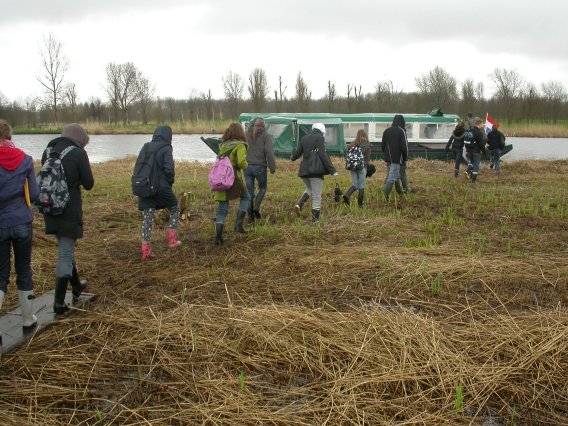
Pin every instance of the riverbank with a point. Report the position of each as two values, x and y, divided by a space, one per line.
522 129
445 306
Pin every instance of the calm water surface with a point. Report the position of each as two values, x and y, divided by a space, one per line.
190 147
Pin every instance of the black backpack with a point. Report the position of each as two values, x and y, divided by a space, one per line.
354 160
145 178
53 190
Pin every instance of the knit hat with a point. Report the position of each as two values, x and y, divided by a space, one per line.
76 133
320 127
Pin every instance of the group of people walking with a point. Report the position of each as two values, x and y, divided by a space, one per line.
252 157
470 134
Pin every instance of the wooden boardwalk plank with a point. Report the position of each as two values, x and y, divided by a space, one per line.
13 334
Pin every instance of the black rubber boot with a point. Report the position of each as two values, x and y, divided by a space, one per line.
347 195
315 215
250 212
388 189
77 284
240 219
398 187
360 198
219 234
59 305
298 207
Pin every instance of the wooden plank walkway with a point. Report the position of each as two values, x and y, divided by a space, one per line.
13 334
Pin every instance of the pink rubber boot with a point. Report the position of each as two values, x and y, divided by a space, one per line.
146 250
172 239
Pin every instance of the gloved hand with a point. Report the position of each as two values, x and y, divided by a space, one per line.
335 174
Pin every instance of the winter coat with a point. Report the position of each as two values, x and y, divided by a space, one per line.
394 144
78 173
238 155
456 140
496 139
164 162
478 145
15 168
307 144
260 152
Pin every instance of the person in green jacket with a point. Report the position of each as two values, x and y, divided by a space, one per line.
233 143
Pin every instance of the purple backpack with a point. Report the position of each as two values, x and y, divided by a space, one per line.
222 174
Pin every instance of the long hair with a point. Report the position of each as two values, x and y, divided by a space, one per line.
361 134
234 132
5 130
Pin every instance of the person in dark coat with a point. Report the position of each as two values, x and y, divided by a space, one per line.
455 143
161 144
68 226
314 183
16 174
474 149
395 151
495 143
259 155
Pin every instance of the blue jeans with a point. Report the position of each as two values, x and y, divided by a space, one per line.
65 257
20 238
393 172
223 207
474 159
260 174
358 178
458 157
495 155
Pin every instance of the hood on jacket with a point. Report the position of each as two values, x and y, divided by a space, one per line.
320 127
76 133
398 120
11 158
162 134
227 146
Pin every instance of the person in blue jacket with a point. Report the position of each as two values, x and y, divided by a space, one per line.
18 188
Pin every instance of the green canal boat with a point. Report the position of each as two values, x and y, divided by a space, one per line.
427 134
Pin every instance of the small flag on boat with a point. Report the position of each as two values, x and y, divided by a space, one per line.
489 122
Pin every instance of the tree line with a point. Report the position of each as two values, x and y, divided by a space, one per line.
130 97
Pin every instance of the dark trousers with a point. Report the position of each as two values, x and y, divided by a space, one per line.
19 238
258 173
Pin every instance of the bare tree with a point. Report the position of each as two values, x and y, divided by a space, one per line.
438 86
258 89
508 86
122 87
350 100
386 96
279 97
145 95
468 95
3 103
54 65
209 104
233 86
330 96
530 100
554 95
71 98
303 94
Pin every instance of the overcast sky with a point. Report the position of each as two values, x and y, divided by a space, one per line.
185 46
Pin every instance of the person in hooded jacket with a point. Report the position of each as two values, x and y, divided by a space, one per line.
475 149
161 145
16 173
233 143
495 143
455 143
68 226
259 155
395 151
358 177
312 144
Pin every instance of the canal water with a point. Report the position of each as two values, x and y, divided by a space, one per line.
191 148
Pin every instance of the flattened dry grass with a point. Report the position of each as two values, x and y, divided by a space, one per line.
372 316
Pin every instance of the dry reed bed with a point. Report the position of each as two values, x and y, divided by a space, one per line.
375 316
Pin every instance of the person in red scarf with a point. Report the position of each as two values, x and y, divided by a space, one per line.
16 173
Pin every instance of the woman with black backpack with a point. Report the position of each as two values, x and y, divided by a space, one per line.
357 161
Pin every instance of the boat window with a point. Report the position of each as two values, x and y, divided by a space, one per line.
436 130
331 136
350 130
379 129
276 130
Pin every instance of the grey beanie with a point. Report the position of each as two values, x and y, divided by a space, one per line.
76 133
